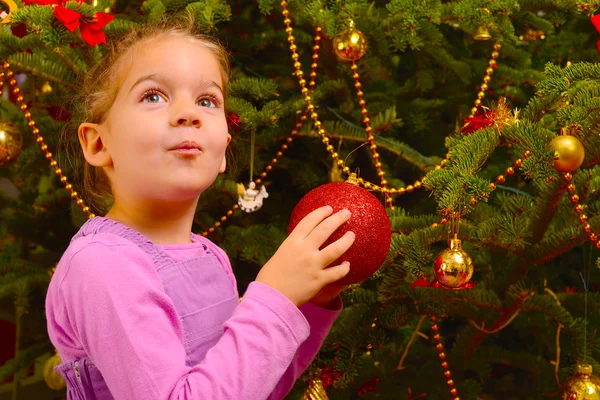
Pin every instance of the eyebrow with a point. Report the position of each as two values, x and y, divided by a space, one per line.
161 78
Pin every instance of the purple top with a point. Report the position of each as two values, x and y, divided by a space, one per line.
134 320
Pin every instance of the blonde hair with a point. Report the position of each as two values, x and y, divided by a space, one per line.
100 88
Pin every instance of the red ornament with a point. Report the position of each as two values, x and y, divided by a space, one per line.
91 29
596 22
478 121
234 123
369 221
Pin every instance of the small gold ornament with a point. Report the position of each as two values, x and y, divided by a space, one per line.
453 267
350 45
582 386
482 33
11 142
315 391
46 88
53 379
12 7
568 153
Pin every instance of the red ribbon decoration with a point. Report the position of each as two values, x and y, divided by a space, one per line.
596 21
91 31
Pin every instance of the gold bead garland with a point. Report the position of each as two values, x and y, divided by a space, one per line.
486 79
442 355
39 138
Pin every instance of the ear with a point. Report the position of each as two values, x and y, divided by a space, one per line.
94 149
224 162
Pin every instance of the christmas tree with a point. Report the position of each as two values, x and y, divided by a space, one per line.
474 121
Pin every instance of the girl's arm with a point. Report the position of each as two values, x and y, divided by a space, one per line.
109 297
320 320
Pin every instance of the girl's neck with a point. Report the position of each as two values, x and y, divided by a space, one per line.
170 224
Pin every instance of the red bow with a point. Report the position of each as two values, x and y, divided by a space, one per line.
91 31
596 21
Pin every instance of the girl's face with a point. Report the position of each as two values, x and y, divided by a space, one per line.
166 133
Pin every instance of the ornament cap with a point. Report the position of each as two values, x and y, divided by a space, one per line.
455 243
353 179
584 369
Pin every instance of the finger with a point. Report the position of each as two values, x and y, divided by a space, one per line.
322 231
334 274
335 250
310 221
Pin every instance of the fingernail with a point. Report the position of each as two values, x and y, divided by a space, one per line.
346 213
329 209
346 263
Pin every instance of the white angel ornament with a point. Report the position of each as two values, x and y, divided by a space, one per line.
250 199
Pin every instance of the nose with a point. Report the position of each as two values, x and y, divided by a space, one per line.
186 114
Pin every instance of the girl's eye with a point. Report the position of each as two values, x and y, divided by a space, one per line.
208 102
152 96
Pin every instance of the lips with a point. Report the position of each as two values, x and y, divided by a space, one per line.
187 147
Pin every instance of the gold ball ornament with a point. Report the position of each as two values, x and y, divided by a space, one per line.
12 7
11 142
315 391
568 153
53 379
453 267
582 386
350 45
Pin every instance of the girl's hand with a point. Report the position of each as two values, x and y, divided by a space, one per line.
326 295
297 270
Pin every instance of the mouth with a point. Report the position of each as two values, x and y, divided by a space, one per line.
187 147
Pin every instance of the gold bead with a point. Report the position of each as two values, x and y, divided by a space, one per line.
472 201
384 182
86 210
380 174
377 165
74 195
491 63
263 174
518 163
366 121
63 179
497 46
58 171
258 181
48 156
69 187
27 115
489 71
592 237
229 213
346 170
329 148
53 163
44 147
574 199
480 95
401 190
325 140
444 162
474 110
284 146
487 79
587 228
527 154
437 167
211 229
285 13
217 224
417 184
223 218
410 188
79 202
360 93
334 155
279 154
477 102
484 87
269 168
500 179
510 171
568 177
495 54
492 186
340 163
571 187
583 218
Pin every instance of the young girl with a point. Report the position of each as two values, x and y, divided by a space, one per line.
141 308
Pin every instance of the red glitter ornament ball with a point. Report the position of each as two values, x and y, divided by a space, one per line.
369 221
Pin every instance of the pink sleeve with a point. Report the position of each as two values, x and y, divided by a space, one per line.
114 303
319 319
